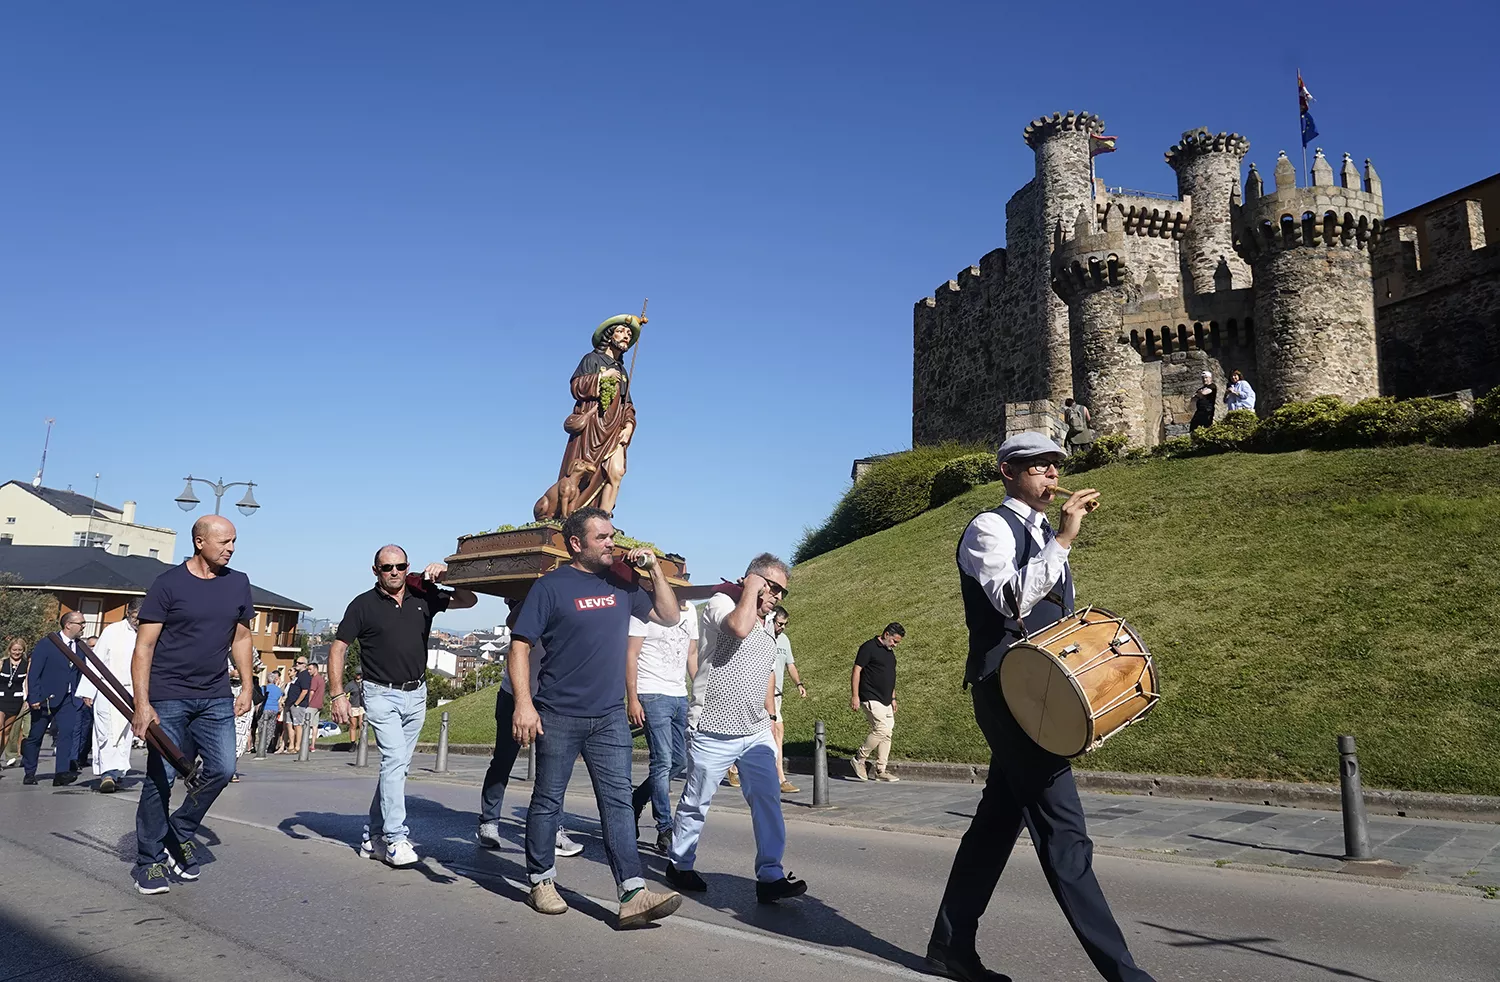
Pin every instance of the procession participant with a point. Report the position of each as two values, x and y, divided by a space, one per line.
111 730
872 690
497 775
581 613
12 696
656 693
784 663
733 720
392 622
195 618
1012 567
51 685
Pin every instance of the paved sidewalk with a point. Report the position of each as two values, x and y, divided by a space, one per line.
1454 854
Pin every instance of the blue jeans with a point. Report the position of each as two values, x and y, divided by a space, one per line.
199 727
396 717
709 759
605 744
666 736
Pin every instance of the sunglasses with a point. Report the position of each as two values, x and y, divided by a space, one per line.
776 588
387 567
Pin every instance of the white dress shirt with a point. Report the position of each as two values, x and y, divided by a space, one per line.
116 649
987 552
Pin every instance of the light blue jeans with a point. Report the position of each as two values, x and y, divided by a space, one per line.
396 717
709 757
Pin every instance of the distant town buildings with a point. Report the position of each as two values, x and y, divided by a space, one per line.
38 516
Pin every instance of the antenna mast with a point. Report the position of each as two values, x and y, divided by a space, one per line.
36 482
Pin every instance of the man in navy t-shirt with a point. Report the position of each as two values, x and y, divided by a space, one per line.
194 619
580 615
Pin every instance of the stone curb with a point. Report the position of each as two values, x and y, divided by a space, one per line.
1272 794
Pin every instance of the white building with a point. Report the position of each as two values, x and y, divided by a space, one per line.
48 517
445 663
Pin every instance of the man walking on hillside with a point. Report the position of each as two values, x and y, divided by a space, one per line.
732 720
194 620
656 695
872 690
1012 567
51 687
784 663
581 614
392 623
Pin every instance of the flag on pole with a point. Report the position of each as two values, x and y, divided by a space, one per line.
1304 99
1101 144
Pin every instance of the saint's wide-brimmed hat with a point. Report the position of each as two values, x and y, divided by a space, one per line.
632 320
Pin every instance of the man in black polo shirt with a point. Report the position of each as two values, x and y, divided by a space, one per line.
872 690
391 623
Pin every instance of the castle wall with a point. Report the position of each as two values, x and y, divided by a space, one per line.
1437 310
957 355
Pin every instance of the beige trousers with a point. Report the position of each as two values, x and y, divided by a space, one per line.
882 720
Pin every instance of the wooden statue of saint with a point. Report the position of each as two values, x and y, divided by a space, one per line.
600 426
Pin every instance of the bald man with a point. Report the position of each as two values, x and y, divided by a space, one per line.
195 618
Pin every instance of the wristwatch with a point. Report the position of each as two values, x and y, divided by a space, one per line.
773 718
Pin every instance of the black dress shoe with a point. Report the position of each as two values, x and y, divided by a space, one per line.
686 880
964 966
782 889
29 779
63 779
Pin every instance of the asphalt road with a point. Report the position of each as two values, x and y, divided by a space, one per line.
286 897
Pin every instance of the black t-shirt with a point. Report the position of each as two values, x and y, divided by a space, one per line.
392 639
1203 403
877 676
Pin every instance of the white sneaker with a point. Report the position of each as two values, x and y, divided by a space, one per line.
400 853
489 835
372 847
566 846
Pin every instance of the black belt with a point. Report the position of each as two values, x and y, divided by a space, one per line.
403 686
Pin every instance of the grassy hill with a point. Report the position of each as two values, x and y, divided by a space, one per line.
1287 597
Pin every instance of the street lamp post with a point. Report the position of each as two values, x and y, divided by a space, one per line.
247 505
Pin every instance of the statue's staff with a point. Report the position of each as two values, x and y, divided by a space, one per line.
600 478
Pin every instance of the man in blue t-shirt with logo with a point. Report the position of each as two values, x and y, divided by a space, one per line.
194 619
580 615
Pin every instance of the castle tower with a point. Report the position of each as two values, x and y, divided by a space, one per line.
1208 172
1062 186
1309 250
1090 274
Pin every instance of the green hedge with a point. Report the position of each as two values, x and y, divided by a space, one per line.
1104 450
961 474
1233 432
891 491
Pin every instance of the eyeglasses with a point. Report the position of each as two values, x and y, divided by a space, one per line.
387 567
1035 467
776 588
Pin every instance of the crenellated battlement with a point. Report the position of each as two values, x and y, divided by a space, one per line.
1155 222
1200 142
1326 215
1043 128
988 274
1093 257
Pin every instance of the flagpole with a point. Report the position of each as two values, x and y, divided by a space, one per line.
1306 178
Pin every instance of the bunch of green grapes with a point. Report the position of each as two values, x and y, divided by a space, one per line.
608 386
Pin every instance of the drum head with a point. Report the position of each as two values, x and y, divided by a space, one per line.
1046 700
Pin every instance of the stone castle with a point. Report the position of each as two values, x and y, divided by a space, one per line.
1121 299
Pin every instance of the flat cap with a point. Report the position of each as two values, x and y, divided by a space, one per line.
1028 444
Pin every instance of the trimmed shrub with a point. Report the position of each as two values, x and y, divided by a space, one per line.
1483 427
1174 446
962 474
1233 432
892 491
1386 422
1104 450
1300 425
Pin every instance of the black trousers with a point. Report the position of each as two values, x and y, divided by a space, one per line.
1028 784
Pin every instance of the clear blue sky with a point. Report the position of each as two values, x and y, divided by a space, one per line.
352 251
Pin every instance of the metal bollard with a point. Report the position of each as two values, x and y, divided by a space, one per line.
442 751
1356 831
304 752
531 761
820 765
362 745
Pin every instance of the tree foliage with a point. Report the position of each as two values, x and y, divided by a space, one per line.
25 614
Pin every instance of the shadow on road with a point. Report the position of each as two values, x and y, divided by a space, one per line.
1262 847
1194 939
28 954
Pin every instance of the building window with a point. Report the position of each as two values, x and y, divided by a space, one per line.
96 540
155 553
92 609
123 550
10 521
6 540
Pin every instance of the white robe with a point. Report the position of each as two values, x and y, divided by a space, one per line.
112 736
